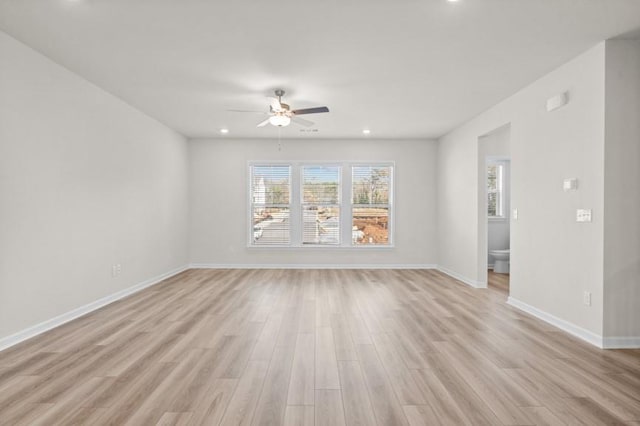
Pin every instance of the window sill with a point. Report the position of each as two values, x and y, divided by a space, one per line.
321 248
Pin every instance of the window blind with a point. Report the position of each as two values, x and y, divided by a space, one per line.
271 205
321 205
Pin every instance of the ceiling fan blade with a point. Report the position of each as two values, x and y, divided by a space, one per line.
263 123
302 121
275 105
244 110
315 110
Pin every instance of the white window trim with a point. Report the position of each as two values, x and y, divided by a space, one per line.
346 203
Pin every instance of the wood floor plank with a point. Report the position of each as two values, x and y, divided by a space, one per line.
307 317
345 348
410 352
24 414
174 419
386 407
210 408
169 397
473 407
542 416
245 398
302 384
355 396
400 376
240 348
273 398
328 408
306 347
299 415
263 348
67 411
442 403
123 402
420 415
626 406
12 392
326 364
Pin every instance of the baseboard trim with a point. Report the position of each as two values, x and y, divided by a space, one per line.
310 266
564 325
622 342
40 328
468 281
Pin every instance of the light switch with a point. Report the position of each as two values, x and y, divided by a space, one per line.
583 215
515 214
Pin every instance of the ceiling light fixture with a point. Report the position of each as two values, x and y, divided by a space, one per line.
224 131
280 120
366 131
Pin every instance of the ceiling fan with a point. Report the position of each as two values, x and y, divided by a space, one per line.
281 115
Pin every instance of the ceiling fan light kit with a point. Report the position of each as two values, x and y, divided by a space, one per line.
280 120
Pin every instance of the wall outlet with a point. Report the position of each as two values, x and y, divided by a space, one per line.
586 298
116 270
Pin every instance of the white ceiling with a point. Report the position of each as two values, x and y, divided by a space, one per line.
403 68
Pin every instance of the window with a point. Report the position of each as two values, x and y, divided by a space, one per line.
371 204
270 205
303 205
495 190
321 205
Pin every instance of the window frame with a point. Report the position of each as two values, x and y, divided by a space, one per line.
251 205
345 205
303 204
389 205
501 172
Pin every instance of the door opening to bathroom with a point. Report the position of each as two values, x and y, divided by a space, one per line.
498 229
494 193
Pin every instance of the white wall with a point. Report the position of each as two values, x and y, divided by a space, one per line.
218 200
86 181
622 196
553 258
497 143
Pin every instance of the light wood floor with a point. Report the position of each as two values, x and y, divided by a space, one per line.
324 347
498 282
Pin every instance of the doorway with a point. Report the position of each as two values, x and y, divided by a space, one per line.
494 208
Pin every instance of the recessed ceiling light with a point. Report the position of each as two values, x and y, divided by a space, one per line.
452 1
224 131
366 131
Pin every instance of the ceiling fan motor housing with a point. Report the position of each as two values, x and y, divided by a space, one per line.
285 107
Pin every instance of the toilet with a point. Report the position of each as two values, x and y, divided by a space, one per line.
501 261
